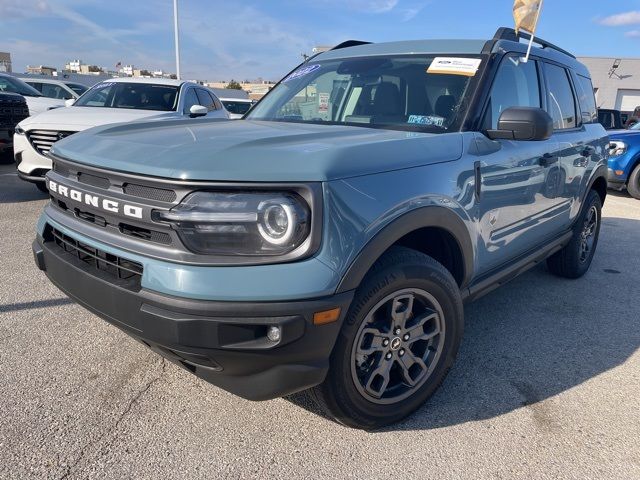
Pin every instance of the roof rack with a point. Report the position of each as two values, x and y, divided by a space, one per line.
349 43
505 33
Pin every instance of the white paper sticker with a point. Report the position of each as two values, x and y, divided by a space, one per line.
323 102
455 66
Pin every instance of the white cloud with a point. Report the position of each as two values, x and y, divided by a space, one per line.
633 34
365 6
621 19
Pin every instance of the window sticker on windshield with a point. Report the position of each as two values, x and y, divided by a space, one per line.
455 66
103 84
323 102
301 72
426 120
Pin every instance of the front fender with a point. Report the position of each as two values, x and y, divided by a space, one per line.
429 216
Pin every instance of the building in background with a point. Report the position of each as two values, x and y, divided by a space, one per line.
41 70
616 82
5 62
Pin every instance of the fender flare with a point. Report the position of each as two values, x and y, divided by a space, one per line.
431 216
600 172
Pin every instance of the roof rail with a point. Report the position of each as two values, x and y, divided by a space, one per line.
505 33
345 44
349 43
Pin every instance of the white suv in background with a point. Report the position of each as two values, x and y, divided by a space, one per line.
237 107
35 100
60 89
112 101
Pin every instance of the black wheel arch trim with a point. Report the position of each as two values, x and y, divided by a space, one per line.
431 216
600 172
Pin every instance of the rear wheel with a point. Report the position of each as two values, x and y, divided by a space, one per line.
574 260
633 187
398 342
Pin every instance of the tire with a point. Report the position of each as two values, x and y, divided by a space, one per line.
633 185
428 307
42 186
574 260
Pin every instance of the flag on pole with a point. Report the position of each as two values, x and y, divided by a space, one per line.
526 14
118 65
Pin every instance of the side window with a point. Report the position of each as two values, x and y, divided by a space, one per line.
190 100
561 103
37 86
205 99
515 85
55 91
587 100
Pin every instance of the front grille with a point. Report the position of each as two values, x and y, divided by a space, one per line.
13 110
42 140
126 272
152 193
88 179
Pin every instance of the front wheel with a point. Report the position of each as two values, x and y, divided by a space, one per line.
574 260
633 186
399 340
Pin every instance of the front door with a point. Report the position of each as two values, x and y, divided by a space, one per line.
518 206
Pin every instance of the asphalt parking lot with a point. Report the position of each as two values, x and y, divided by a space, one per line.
546 386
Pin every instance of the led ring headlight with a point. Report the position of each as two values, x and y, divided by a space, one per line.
240 223
277 222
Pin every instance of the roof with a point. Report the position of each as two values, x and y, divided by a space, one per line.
470 47
154 81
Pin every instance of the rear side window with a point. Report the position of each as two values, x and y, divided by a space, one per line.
561 104
515 85
587 100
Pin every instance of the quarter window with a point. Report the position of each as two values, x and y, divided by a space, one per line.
561 103
516 85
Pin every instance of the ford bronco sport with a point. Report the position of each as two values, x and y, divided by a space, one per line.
328 240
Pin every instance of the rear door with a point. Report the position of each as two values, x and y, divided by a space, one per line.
571 104
519 182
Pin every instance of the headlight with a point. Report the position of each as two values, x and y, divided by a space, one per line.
243 223
19 130
617 148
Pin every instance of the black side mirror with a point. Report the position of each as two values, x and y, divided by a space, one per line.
523 123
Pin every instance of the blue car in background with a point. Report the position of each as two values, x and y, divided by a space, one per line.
624 160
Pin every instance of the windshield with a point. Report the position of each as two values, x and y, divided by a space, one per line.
399 92
76 87
15 85
138 96
237 107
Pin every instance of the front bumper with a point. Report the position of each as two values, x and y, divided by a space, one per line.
615 182
31 165
224 343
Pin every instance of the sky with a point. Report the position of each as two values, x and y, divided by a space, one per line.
244 39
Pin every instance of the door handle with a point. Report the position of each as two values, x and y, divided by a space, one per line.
477 174
548 159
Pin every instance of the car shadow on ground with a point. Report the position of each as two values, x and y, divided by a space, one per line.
537 337
14 190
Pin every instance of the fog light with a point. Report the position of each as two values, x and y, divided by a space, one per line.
273 334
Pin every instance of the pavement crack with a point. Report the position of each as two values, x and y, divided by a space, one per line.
116 424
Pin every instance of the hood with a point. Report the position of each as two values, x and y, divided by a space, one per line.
81 118
616 134
247 150
38 105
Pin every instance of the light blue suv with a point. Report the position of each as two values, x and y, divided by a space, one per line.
328 240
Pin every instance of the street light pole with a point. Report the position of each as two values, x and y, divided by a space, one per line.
177 40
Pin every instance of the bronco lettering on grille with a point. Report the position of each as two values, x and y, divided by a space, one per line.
96 201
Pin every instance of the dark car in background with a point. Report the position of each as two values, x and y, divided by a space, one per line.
13 109
610 119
